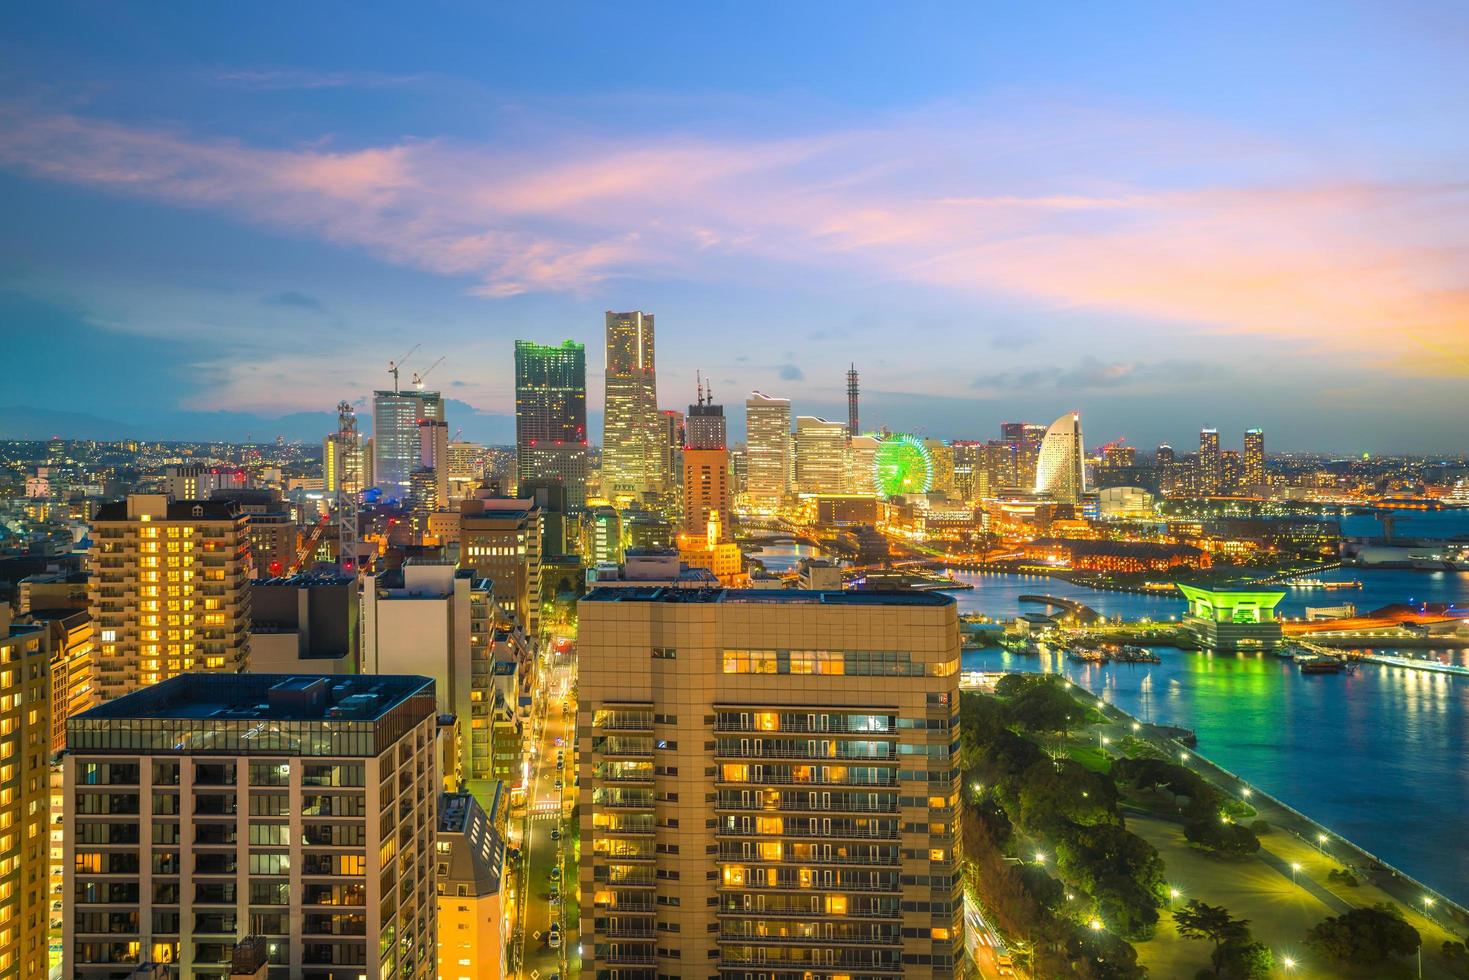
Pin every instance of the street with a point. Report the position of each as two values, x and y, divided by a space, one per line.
547 810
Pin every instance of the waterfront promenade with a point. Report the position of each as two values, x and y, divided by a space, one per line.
1302 852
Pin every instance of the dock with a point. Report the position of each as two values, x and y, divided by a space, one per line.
1432 666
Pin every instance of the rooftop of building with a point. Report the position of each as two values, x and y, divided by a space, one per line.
177 510
303 580
476 852
661 593
266 697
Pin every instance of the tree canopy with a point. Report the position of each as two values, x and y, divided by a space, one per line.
1363 936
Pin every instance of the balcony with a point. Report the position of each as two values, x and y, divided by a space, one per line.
752 940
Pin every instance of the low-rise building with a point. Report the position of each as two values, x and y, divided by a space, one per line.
469 858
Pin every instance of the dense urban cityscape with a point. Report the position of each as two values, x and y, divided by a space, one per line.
645 493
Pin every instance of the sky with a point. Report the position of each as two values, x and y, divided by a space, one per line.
220 220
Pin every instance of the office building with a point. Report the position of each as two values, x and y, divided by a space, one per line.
275 540
196 482
672 441
1253 464
500 539
767 450
821 450
1210 466
26 717
439 621
467 461
470 852
170 590
346 464
1061 466
706 490
775 789
1165 462
1025 439
861 468
433 455
632 430
601 535
551 418
305 624
397 443
302 809
941 465
971 469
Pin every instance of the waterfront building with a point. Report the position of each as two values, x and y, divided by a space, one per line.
971 469
1253 464
861 468
632 450
26 736
169 591
821 450
941 465
767 450
396 441
1231 472
1061 466
470 853
1025 440
827 840
1209 469
551 418
1223 619
500 539
1165 461
302 809
1121 503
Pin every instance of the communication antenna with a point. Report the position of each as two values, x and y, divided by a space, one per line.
348 497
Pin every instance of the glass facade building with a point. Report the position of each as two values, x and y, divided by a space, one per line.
551 417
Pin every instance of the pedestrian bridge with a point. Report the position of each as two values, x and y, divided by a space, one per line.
1083 612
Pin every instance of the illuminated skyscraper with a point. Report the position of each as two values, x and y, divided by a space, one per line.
26 739
705 468
1026 438
396 441
767 449
551 417
1165 461
1210 471
821 455
433 450
1254 463
632 457
1060 471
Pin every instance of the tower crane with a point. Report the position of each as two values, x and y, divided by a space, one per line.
393 366
418 379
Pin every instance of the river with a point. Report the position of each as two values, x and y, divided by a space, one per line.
1379 756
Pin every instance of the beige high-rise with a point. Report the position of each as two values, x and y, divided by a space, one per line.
821 455
170 590
768 449
25 745
769 784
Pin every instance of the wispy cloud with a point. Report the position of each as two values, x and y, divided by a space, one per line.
1330 259
1092 374
292 79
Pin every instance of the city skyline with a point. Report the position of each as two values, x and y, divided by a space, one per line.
252 228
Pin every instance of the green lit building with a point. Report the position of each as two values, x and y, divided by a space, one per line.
1224 619
551 417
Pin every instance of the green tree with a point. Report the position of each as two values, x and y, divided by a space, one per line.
1064 791
1246 961
1013 684
1046 708
1215 835
1196 920
1363 937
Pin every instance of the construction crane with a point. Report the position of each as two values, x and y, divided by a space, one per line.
418 379
393 366
457 433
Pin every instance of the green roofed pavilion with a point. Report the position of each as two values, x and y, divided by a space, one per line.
1225 619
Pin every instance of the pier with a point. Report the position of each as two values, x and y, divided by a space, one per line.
1081 611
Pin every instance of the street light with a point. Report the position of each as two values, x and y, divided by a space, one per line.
1294 867
1040 857
1096 925
1288 964
1321 842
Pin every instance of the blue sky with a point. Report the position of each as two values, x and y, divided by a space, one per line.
222 220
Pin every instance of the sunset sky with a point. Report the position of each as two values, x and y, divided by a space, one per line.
1164 215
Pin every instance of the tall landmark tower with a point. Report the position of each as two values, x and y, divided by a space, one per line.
854 427
632 452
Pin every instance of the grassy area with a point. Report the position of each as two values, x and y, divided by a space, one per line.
1090 756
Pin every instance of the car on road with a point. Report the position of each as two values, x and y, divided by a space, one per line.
554 895
556 873
560 764
555 938
559 740
558 784
555 834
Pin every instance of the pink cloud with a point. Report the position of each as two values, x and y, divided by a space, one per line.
1337 262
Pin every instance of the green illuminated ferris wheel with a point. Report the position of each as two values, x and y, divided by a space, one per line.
902 465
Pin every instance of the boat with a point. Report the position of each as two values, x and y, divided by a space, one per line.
1306 583
1351 584
1320 665
1087 655
1130 654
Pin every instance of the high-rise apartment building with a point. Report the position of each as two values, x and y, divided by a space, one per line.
500 538
862 465
551 417
767 450
774 791
1165 461
169 590
397 444
1061 466
632 450
302 809
971 469
1253 464
26 714
821 449
672 441
1210 465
